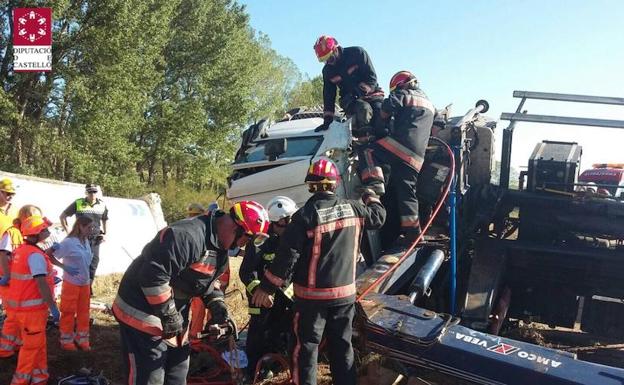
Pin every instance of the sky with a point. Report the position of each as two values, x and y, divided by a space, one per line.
463 51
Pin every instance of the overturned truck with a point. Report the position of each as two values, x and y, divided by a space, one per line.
549 252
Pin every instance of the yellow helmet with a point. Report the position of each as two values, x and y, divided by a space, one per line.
6 185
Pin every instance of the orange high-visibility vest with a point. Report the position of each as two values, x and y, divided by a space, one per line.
23 293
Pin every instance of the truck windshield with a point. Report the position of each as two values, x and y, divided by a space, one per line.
303 146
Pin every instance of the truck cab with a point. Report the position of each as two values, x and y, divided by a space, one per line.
274 158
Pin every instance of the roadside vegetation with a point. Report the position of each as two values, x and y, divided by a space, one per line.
143 96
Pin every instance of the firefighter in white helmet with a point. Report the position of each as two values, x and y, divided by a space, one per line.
267 326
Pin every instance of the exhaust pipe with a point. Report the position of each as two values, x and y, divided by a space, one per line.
420 285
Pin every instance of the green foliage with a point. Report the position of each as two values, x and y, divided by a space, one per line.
143 94
176 197
307 93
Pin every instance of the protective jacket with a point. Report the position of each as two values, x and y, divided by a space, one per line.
413 117
354 74
23 293
257 260
320 248
182 261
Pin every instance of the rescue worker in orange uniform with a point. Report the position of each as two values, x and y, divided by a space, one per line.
181 262
75 251
7 191
320 248
10 340
30 297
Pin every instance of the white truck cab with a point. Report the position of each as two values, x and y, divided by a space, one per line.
273 160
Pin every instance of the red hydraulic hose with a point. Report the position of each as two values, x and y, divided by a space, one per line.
449 182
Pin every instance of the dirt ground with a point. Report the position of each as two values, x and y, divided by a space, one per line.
105 356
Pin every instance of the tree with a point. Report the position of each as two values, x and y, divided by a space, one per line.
307 93
140 93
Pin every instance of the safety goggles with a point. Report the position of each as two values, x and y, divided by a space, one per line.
258 238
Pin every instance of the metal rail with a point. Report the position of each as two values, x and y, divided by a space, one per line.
522 116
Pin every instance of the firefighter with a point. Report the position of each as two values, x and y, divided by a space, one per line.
29 297
350 70
320 246
396 158
181 262
267 326
198 309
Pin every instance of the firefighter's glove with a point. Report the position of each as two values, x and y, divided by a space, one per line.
173 325
218 311
322 127
4 281
373 192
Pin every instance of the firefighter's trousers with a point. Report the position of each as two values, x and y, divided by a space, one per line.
74 324
32 360
268 328
148 360
309 323
379 165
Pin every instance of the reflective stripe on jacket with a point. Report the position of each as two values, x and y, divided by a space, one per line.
181 262
23 293
321 246
413 117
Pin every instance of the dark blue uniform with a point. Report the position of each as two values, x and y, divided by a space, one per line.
360 95
268 328
319 249
397 158
181 262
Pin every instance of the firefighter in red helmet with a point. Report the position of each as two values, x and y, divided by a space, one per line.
320 247
397 155
183 261
350 70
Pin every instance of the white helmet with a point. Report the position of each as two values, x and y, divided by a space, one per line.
281 207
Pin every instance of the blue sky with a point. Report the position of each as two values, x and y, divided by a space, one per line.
463 51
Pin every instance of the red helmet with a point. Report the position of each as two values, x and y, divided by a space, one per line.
252 218
400 79
324 47
322 171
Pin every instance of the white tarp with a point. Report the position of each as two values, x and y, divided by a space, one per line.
132 222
